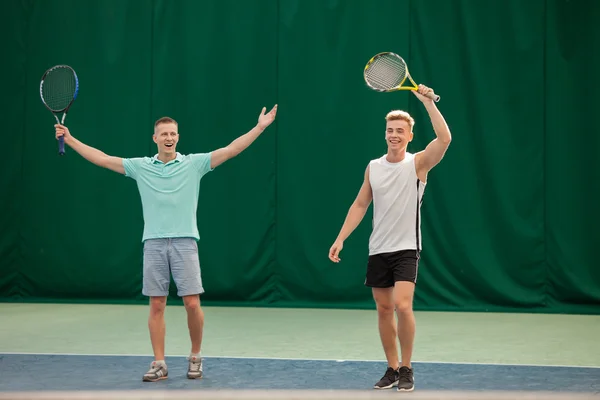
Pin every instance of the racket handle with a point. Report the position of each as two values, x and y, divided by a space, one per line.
433 97
61 146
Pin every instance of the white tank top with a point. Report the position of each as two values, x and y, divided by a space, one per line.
397 197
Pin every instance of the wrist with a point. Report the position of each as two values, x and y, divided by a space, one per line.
71 141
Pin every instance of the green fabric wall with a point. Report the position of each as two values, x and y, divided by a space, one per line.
510 216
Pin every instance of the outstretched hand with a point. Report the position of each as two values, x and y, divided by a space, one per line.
264 120
422 93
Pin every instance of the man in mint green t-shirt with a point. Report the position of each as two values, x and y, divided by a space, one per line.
169 185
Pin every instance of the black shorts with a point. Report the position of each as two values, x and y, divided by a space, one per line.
384 269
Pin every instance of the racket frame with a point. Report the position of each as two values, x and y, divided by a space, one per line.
414 86
65 110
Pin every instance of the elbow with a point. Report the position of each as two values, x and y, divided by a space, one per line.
360 206
102 162
232 151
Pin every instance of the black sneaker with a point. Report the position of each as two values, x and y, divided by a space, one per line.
389 380
406 381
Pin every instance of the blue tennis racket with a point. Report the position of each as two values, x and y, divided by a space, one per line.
58 90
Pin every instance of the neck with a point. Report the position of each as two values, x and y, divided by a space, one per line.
166 157
395 155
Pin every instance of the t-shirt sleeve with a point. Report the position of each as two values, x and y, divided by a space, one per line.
201 162
132 167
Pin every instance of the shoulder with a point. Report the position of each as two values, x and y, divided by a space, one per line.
412 158
195 156
372 163
377 160
202 161
134 166
417 157
137 161
375 165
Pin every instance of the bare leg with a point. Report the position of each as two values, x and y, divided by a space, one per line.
403 300
156 325
387 324
195 319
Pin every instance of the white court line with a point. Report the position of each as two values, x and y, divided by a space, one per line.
299 359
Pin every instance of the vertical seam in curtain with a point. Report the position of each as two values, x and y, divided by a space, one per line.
544 153
276 194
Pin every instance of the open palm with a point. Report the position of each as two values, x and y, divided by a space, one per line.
265 120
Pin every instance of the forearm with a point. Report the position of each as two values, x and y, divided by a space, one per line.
353 219
439 123
241 143
91 154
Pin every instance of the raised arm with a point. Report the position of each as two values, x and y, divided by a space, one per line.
91 154
436 149
240 144
355 215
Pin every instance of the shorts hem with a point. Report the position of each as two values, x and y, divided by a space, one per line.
155 294
406 280
190 293
390 286
372 285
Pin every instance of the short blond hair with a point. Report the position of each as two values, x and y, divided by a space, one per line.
399 115
165 120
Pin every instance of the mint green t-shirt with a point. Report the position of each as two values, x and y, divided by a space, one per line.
169 193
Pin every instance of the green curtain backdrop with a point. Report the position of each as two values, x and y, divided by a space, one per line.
509 217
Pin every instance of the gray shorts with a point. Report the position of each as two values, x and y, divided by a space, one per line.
176 256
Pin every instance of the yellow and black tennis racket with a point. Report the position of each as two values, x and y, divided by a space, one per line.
387 72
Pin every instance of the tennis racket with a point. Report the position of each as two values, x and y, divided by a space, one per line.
387 72
58 90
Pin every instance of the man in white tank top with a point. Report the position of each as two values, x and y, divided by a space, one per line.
395 183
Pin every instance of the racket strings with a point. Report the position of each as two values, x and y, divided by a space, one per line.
59 88
386 72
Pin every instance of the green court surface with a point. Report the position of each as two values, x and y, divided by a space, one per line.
489 338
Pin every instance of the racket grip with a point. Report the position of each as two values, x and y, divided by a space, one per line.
61 146
433 97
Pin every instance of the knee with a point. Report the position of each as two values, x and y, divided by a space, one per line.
157 305
191 303
404 306
385 310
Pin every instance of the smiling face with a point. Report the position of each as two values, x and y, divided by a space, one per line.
398 130
398 134
166 137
